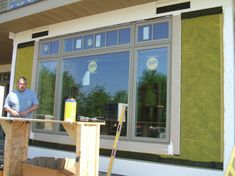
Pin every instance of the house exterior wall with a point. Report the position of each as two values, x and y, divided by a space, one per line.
207 79
202 89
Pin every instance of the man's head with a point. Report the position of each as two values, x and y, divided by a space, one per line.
22 84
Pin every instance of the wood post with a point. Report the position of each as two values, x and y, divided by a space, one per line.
87 141
16 146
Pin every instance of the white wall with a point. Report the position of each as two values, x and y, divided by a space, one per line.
144 168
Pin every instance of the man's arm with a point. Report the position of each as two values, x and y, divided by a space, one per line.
11 111
8 108
29 110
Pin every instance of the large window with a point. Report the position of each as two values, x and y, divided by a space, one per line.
151 98
99 83
108 68
46 93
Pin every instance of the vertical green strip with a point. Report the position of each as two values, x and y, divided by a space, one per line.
24 62
201 89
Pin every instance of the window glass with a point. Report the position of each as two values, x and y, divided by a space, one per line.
89 41
14 4
124 36
78 43
44 49
151 93
99 84
54 47
111 38
100 40
145 33
68 45
161 30
46 93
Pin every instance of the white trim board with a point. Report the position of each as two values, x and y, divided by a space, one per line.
131 167
1 99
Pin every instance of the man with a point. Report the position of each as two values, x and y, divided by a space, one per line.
21 102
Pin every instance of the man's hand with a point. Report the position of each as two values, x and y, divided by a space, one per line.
23 113
27 111
13 113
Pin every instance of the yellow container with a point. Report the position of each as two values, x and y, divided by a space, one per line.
70 110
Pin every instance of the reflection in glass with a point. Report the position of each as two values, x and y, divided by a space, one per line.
49 48
99 84
77 43
100 40
124 36
54 49
111 38
88 41
144 33
151 93
68 45
44 49
161 30
14 4
46 93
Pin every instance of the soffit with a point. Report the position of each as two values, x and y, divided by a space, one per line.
68 12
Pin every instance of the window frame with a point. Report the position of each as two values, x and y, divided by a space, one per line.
61 82
148 139
151 22
56 60
173 42
49 55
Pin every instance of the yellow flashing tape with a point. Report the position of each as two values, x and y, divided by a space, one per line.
70 110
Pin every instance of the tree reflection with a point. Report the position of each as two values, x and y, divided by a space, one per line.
152 87
46 90
90 104
151 104
46 93
94 102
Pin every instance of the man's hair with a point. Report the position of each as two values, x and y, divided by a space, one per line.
22 77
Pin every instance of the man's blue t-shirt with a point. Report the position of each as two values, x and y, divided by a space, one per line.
20 101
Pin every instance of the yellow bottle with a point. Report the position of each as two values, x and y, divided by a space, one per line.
70 110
